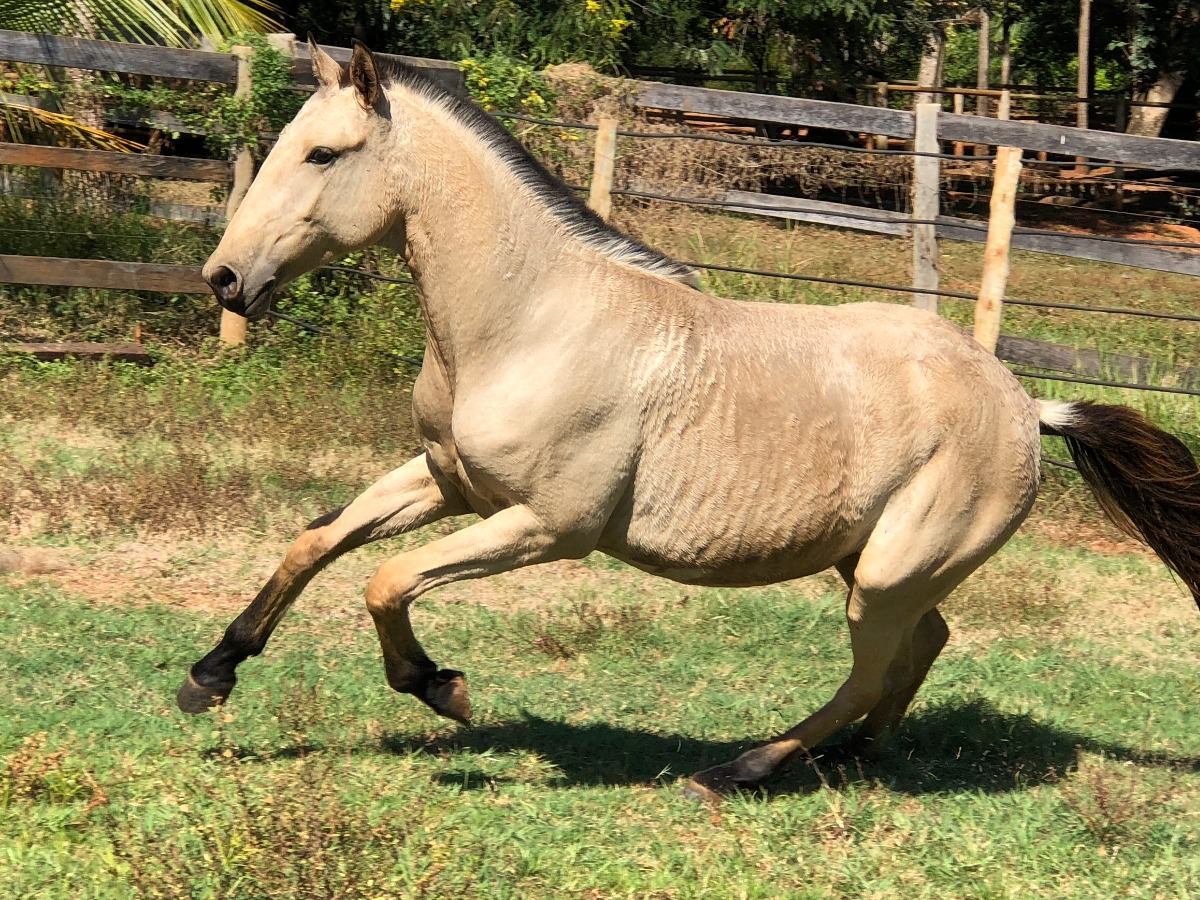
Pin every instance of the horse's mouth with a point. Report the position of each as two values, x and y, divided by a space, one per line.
260 304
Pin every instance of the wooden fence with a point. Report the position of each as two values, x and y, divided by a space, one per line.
927 131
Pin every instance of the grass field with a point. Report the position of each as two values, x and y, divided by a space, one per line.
1053 752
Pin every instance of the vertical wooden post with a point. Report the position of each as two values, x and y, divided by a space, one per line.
600 195
1082 86
983 63
1004 108
959 105
881 100
989 306
926 188
233 326
1122 118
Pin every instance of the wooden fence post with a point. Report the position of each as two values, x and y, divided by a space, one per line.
959 105
1004 109
880 141
233 326
1001 219
926 188
600 195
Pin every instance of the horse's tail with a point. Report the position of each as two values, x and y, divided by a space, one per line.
1145 479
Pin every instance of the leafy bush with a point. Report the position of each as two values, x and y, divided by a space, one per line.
500 82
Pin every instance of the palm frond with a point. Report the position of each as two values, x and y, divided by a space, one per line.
19 116
174 24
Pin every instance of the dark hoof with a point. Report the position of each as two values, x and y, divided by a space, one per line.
446 694
194 697
712 785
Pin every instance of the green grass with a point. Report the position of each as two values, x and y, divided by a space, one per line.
1035 764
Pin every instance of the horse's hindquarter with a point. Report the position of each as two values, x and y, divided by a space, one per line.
773 446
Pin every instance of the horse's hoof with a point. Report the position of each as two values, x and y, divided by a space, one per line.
193 697
446 693
711 786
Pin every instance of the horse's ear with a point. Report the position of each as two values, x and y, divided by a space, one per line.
364 75
325 68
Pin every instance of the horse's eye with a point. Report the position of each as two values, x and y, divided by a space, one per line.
321 156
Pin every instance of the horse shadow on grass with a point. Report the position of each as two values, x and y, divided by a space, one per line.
968 746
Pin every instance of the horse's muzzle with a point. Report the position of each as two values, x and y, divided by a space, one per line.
229 288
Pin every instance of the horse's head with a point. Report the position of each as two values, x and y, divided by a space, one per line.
322 189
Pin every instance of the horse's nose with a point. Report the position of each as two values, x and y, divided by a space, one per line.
226 283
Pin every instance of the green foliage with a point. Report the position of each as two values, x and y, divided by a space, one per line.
229 121
499 82
540 32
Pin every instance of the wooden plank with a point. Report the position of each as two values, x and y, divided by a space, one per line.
110 56
143 164
1160 259
1059 139
126 351
1001 219
101 273
926 188
839 215
818 212
784 110
1061 358
442 71
1068 141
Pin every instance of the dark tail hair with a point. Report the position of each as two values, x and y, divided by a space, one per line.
1145 479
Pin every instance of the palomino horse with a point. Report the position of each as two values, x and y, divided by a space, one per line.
578 395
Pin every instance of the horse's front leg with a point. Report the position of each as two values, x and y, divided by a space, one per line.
404 499
512 538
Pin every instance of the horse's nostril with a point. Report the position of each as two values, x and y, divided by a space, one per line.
227 285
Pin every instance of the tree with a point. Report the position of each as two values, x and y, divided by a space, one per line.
1162 47
178 23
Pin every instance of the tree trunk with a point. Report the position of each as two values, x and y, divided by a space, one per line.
930 72
984 63
1148 121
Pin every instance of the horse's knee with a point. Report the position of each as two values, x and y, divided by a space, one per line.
390 589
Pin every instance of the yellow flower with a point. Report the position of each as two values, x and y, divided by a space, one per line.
619 25
593 6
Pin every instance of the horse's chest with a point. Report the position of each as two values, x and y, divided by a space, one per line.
433 415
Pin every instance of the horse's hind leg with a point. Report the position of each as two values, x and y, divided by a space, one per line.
904 678
880 623
402 500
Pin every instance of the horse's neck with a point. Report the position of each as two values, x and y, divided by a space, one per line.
480 250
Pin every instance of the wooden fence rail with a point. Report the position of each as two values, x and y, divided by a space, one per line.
101 273
144 164
1062 140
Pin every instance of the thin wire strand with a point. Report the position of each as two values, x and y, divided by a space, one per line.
954 295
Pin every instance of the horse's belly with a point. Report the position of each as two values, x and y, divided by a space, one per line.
753 551
731 573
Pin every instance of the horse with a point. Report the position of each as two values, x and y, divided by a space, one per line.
579 394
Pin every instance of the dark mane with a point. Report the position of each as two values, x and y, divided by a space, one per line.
562 202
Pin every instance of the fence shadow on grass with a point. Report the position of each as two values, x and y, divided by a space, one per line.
967 746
